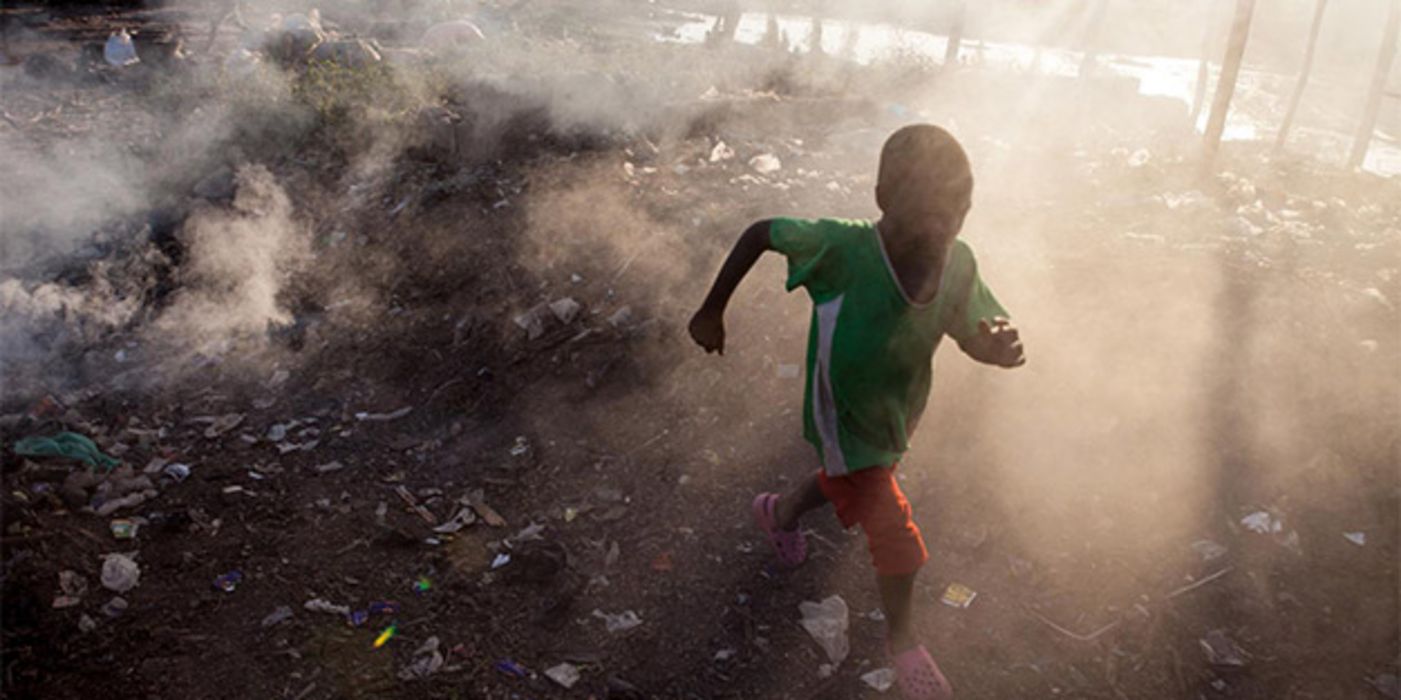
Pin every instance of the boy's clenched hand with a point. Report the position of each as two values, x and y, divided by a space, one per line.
998 343
708 330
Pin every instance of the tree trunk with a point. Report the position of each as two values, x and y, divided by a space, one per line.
960 13
1226 87
1374 95
1209 39
1092 32
1303 75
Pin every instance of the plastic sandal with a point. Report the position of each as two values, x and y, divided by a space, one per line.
919 677
791 548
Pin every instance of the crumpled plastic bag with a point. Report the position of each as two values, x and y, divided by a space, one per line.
120 573
827 623
119 50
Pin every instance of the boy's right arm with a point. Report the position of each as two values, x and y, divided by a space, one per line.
708 325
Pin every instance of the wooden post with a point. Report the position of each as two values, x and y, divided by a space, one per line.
1226 87
1303 75
1374 95
1091 39
1204 66
960 14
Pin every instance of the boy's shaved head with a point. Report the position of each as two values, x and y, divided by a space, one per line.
925 174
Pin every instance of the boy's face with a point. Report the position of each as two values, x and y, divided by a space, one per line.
920 206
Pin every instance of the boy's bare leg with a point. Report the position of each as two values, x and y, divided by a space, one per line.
804 497
896 593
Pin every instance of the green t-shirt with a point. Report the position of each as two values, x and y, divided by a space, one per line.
870 348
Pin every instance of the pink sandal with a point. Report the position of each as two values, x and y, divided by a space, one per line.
919 677
790 547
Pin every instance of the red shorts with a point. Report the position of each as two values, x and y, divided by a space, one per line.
871 498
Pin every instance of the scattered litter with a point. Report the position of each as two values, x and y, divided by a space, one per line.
381 417
68 445
532 321
726 654
115 607
1357 538
330 467
1081 637
827 623
72 583
177 471
385 636
529 533
120 573
1386 684
512 668
130 500
620 317
119 50
565 674
663 562
124 528
1209 550
222 424
384 607
322 605
765 163
1221 650
521 447
1198 584
412 502
427 660
501 560
958 595
618 622
452 34
1262 522
464 517
789 371
880 679
477 501
228 582
422 585
282 614
358 617
565 309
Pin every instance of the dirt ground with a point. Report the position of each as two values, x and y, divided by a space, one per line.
1202 348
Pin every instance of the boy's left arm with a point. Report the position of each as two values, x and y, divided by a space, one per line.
996 342
981 326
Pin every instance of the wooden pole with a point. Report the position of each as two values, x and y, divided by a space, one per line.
1303 75
1374 95
1204 66
960 15
1091 45
1226 86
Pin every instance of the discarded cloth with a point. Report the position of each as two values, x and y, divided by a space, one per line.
70 445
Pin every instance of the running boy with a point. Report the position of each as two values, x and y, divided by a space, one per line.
884 294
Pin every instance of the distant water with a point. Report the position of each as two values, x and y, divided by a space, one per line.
1160 76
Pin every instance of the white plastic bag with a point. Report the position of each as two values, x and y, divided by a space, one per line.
120 51
827 623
